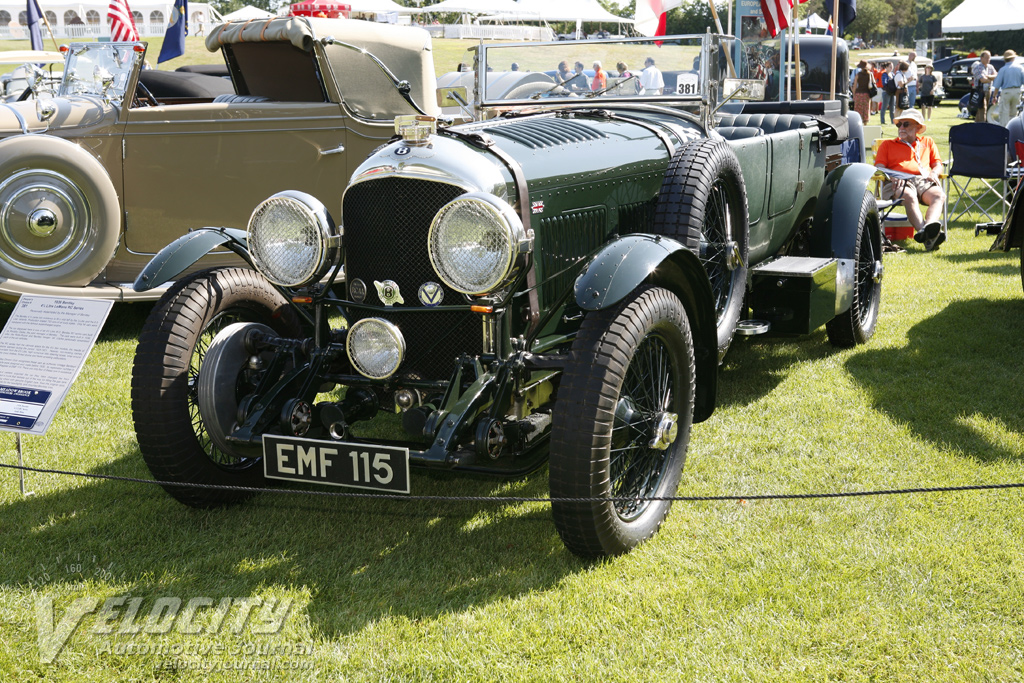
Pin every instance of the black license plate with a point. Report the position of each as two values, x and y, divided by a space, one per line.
337 463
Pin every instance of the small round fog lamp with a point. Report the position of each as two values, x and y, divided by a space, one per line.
375 347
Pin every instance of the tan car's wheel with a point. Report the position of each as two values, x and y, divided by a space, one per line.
59 213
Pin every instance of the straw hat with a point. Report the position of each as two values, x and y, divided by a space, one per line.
1009 54
911 115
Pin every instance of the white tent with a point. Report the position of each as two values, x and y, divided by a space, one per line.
567 10
377 7
248 12
814 22
985 15
88 18
473 7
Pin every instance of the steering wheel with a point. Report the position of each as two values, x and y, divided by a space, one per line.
146 95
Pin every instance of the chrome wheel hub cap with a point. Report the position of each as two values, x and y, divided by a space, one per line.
42 222
666 432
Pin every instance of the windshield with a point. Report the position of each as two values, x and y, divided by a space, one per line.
670 69
102 69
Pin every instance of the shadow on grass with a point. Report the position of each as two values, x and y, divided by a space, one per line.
959 375
359 559
755 366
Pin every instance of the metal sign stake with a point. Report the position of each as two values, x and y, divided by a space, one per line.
21 464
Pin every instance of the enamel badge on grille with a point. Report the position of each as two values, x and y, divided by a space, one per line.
357 290
430 294
388 292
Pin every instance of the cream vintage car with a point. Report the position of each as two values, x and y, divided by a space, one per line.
94 181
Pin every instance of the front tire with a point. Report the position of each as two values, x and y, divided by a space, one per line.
172 436
702 204
857 325
629 377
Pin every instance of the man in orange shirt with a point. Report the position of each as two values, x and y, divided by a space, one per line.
913 166
600 81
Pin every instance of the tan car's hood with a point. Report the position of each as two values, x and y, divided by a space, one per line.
71 112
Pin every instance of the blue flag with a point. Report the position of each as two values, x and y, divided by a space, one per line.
174 38
847 13
34 17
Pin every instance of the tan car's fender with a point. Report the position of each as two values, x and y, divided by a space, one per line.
59 212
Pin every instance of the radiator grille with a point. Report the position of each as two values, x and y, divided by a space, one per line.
386 222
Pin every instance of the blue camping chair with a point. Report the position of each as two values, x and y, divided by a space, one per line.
976 177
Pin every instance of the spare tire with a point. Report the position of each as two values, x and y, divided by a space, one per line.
59 213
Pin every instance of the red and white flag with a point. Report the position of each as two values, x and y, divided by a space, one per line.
650 16
778 14
122 25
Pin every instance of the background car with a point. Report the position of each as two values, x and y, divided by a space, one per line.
96 180
555 283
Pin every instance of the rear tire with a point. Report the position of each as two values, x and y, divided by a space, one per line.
856 325
170 430
630 368
702 204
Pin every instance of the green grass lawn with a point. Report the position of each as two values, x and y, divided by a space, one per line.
910 588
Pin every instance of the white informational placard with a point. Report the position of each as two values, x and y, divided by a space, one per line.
43 347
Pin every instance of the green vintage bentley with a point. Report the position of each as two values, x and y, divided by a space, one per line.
555 282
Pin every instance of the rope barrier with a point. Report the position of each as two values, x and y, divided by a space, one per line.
525 499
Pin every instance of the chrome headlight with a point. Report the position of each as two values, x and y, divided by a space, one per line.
292 239
375 347
475 243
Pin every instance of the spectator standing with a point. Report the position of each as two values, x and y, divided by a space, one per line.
911 79
888 93
651 79
623 70
983 74
913 166
902 96
600 81
862 91
876 78
1006 89
927 94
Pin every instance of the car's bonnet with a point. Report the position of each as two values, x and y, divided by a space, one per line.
72 112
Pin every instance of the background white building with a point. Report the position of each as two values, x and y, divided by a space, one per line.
70 20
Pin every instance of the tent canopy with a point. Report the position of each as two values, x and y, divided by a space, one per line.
564 10
473 7
248 12
985 15
814 22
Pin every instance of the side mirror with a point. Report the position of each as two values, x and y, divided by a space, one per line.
749 89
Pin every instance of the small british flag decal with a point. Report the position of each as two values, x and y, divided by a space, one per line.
537 207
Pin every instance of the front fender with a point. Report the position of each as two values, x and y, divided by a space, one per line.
631 260
186 250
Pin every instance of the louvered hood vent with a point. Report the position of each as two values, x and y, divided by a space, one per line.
546 132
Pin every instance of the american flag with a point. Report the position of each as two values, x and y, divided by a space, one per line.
122 25
777 14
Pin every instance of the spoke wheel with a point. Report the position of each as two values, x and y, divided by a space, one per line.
857 325
173 438
702 203
622 422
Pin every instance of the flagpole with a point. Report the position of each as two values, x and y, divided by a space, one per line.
49 29
835 47
789 54
718 25
796 49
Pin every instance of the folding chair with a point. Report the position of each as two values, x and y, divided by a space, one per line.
894 219
978 154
